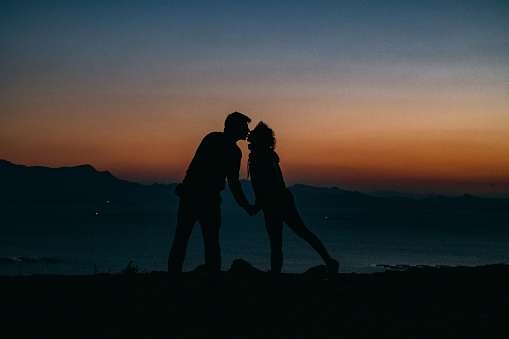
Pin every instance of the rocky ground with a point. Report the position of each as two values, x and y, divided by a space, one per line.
416 303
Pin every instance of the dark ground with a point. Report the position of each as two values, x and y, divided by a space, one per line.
417 303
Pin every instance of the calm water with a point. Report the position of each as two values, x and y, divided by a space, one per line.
86 239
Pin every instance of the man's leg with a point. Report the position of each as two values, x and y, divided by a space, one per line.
185 221
210 222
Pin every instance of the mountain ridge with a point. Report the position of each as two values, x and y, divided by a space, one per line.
77 184
85 184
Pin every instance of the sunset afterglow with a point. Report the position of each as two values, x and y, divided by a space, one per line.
387 95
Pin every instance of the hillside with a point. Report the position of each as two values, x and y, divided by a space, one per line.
84 184
79 184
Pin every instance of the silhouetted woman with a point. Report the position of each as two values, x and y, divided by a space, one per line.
277 201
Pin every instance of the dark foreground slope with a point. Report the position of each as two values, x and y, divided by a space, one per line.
420 302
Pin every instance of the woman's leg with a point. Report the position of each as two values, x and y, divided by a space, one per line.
294 221
274 226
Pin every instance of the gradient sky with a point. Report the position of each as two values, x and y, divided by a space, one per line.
363 95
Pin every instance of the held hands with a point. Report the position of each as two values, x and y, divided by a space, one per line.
251 209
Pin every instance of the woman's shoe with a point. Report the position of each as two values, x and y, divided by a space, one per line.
332 268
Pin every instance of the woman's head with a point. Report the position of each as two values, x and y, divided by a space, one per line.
262 137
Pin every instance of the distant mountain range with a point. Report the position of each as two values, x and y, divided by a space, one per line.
84 184
309 196
79 184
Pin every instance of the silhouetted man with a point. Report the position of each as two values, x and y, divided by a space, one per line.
217 158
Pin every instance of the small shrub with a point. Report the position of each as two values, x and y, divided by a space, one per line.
130 269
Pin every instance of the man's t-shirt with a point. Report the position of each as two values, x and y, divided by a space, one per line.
217 159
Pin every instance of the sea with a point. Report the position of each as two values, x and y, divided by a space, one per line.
87 239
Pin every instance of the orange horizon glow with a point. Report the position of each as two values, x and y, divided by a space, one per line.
409 96
449 163
351 150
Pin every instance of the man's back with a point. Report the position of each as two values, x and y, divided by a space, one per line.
214 159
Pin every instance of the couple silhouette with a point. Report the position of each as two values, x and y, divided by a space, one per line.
217 161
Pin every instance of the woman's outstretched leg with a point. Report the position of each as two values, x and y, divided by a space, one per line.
294 221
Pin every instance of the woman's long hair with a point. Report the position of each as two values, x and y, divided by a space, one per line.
262 138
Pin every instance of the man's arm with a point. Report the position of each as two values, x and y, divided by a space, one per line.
236 187
240 197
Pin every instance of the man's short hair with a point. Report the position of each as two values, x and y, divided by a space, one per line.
235 119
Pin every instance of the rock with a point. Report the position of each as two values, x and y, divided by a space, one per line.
243 267
201 269
5 260
317 271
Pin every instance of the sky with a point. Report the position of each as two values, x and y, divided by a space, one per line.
411 96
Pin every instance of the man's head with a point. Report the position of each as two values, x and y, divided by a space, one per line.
235 125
